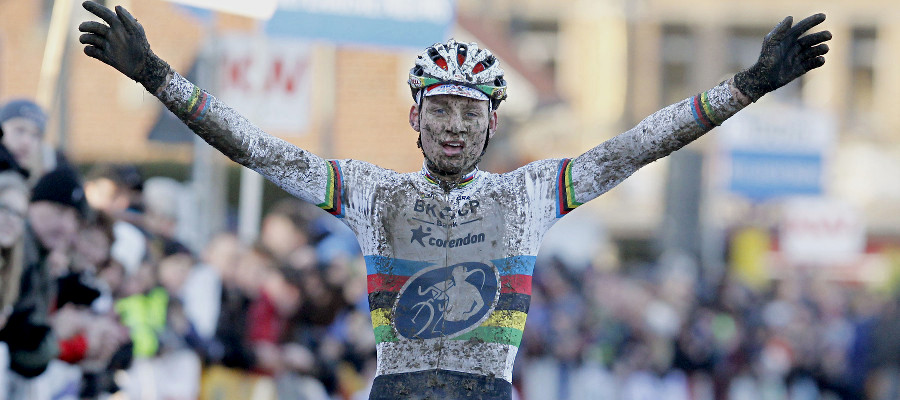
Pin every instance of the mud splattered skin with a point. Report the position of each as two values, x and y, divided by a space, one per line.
449 268
453 132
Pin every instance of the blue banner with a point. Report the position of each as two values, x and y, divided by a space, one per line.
391 23
762 175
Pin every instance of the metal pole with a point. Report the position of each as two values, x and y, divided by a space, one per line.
52 64
208 173
250 209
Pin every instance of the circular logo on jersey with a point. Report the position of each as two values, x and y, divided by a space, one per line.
446 301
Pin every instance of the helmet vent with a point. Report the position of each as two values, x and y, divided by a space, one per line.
437 58
463 64
433 54
461 53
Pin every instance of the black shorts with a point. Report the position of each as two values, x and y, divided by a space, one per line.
439 384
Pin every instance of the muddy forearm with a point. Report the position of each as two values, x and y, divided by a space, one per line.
657 136
119 41
675 126
292 168
220 125
216 123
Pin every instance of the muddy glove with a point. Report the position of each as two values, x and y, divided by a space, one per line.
122 44
784 57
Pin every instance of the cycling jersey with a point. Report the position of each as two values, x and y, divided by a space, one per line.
449 268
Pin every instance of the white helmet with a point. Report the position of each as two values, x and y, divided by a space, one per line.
458 68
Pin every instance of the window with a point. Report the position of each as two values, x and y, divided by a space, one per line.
862 61
536 42
678 56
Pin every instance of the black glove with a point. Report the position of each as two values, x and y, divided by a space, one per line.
784 57
122 45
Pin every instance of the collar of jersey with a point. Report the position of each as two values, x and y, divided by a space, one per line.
466 180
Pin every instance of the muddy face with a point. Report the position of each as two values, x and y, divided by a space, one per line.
454 130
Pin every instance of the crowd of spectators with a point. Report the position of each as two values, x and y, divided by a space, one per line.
652 333
101 298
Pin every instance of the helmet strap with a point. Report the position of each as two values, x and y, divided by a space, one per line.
487 139
420 97
487 131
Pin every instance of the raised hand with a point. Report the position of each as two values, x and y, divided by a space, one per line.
784 57
122 44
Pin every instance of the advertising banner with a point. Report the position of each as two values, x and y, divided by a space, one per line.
392 23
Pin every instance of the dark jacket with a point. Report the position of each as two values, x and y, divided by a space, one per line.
32 344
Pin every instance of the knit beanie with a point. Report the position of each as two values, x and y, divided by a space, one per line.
25 109
61 186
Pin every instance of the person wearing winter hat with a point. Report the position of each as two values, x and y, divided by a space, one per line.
52 221
57 204
13 205
23 123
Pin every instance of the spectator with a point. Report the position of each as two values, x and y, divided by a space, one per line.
285 230
240 287
8 160
202 291
88 337
13 206
91 255
23 124
292 363
57 203
142 309
162 200
174 271
91 250
110 190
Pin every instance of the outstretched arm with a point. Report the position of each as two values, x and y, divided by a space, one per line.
784 57
122 44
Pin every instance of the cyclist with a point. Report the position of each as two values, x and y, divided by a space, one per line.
450 249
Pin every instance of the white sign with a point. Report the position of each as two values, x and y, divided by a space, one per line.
267 80
769 152
778 128
259 9
821 231
435 11
392 23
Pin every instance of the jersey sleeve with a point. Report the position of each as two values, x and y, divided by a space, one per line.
546 189
350 191
665 131
297 171
343 188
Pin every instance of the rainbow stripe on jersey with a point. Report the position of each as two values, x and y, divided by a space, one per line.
333 190
565 195
197 106
386 276
703 112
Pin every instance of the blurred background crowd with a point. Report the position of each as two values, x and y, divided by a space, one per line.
101 299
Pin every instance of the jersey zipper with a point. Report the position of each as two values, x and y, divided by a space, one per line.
446 250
